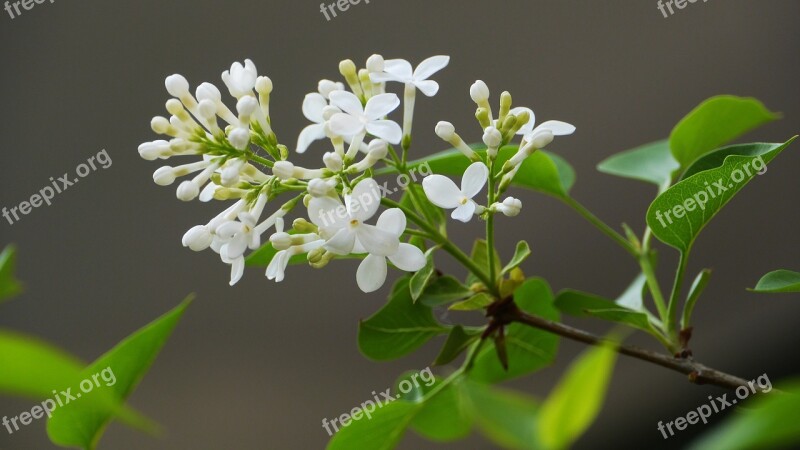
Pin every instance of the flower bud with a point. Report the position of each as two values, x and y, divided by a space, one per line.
188 191
510 207
264 85
177 86
154 150
378 149
207 91
325 87
320 188
375 63
445 130
198 238
542 138
283 170
239 138
164 176
333 161
281 241
479 93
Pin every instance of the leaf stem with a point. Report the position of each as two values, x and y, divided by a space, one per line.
671 323
602 226
490 257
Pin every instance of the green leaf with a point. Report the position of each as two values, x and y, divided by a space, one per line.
480 255
714 123
542 171
778 281
80 424
508 418
529 349
633 297
769 422
398 328
9 286
522 253
444 416
577 399
420 279
442 291
679 214
264 254
582 304
457 341
477 301
698 286
651 163
32 368
381 430
425 208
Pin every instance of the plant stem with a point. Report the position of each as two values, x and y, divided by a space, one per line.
671 324
490 255
605 229
652 280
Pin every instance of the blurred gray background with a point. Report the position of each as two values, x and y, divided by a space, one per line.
259 365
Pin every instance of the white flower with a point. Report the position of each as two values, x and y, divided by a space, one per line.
543 133
371 272
341 225
283 241
241 80
442 192
313 106
510 207
401 71
356 120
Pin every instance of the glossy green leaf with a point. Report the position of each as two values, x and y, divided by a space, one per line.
458 340
32 368
770 421
9 286
577 399
582 304
543 171
651 163
398 328
679 214
507 418
381 430
477 301
714 123
264 254
420 279
443 290
698 286
529 349
522 252
80 424
778 281
444 416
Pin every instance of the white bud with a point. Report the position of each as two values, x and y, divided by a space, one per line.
375 63
283 170
175 107
160 125
177 86
542 138
320 188
378 149
325 87
479 92
239 138
198 238
333 161
208 91
164 176
247 105
188 191
510 207
230 174
445 130
329 111
264 85
281 241
492 137
153 150
207 108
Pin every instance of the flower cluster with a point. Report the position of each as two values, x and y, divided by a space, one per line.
238 158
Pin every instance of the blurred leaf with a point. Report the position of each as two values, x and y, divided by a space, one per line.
508 418
778 281
9 286
698 286
771 422
264 254
457 341
679 214
398 328
81 424
442 291
577 399
632 298
382 430
651 163
582 304
32 368
422 277
444 416
522 252
477 301
529 349
714 123
542 171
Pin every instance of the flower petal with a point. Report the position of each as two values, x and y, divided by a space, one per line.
528 127
441 191
342 242
277 267
464 212
430 66
427 87
383 77
346 125
381 105
364 200
237 270
310 134
327 212
474 178
313 105
408 258
347 102
371 273
387 130
392 220
558 128
400 68
377 241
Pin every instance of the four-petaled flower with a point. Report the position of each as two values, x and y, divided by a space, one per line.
401 71
371 272
442 192
356 120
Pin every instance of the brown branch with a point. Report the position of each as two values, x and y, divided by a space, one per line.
697 373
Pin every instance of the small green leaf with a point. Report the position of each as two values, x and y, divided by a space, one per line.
80 424
480 255
420 280
577 399
714 123
507 418
262 256
457 341
651 163
9 286
679 214
698 286
529 349
398 328
581 304
522 253
442 291
381 430
477 301
778 281
770 422
633 297
446 415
